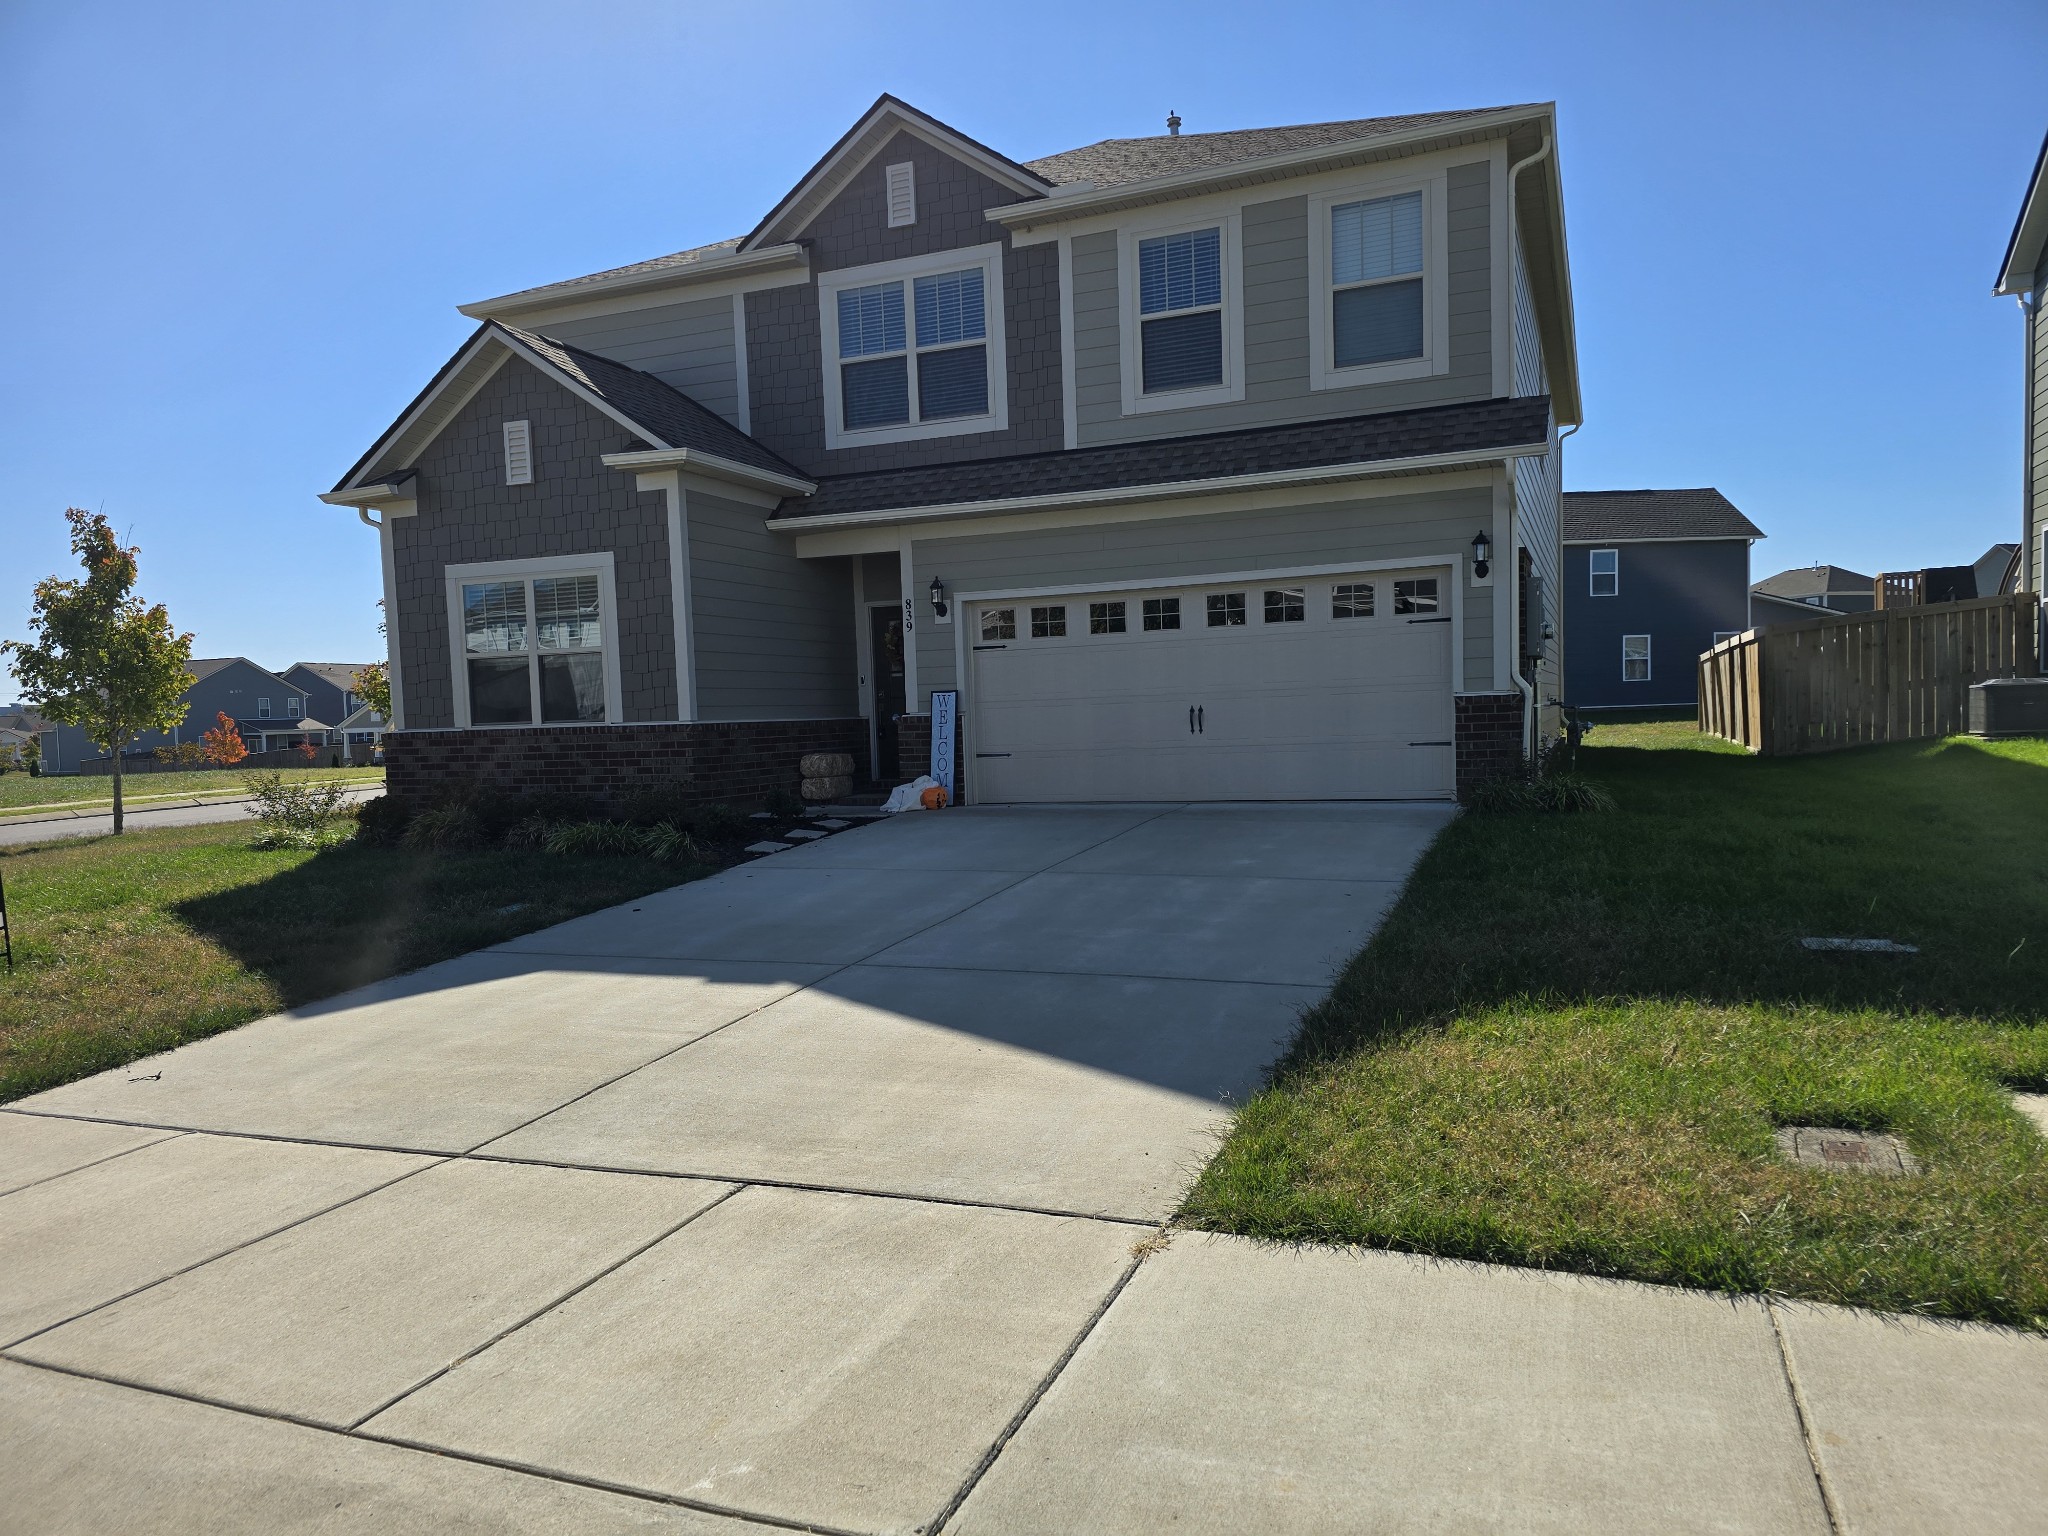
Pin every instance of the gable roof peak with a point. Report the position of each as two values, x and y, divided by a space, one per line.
860 143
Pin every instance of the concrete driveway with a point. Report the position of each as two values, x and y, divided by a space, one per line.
911 1094
821 1194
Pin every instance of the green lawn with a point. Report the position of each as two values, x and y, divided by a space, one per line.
128 946
18 791
1572 1040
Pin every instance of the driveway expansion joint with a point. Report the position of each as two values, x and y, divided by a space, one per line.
1799 1410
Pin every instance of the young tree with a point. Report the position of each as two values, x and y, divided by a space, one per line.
100 659
373 686
223 744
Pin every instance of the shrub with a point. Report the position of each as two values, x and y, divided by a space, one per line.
657 803
582 839
445 828
296 815
784 802
382 821
1547 792
531 833
670 844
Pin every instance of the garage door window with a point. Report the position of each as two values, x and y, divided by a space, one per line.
1225 608
999 624
1351 600
1162 613
1416 596
1286 605
1048 623
1105 618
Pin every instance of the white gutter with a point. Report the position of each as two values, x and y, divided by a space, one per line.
1181 183
1528 689
362 497
700 462
683 274
1160 490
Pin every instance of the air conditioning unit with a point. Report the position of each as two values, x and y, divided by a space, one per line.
2009 706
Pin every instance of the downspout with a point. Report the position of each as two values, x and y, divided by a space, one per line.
1522 684
2032 558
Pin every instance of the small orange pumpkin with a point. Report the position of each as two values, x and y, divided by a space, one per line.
934 799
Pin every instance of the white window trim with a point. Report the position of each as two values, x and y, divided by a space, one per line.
1591 573
599 563
1647 654
1436 284
1130 351
263 709
987 257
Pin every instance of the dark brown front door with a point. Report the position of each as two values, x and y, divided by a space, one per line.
887 635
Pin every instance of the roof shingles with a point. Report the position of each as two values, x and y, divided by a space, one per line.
1701 513
1390 436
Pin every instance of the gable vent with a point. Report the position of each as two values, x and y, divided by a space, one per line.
902 195
518 454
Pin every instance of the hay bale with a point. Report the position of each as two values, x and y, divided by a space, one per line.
832 787
826 765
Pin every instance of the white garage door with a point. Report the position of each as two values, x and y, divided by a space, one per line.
1337 687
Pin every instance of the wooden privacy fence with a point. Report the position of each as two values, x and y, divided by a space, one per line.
1818 685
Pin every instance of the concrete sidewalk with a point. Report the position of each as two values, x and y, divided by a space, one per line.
824 1193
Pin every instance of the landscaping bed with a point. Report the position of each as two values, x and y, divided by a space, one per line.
1575 1038
128 946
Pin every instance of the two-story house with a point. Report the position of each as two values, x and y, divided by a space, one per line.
1651 579
327 689
1201 466
267 709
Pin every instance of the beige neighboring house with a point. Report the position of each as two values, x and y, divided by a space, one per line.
14 744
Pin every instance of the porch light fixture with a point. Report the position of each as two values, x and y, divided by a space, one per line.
1482 552
938 598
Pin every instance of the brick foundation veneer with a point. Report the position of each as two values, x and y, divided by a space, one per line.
1488 730
735 762
914 749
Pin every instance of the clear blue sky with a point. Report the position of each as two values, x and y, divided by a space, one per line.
235 234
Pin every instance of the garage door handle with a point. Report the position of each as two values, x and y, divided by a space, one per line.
991 647
1202 719
1191 719
1444 620
1429 743
991 754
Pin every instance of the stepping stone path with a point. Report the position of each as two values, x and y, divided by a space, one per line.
769 847
1840 1151
804 834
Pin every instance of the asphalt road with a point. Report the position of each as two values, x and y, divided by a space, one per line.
43 828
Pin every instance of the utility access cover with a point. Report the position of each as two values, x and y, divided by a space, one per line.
1841 1151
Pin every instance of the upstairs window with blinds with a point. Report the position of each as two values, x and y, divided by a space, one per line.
1376 298
902 193
534 650
914 352
1180 311
518 453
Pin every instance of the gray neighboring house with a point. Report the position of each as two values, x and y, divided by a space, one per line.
1198 466
1652 579
2024 276
327 688
1830 588
261 703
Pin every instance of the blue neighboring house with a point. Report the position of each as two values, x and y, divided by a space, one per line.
1651 579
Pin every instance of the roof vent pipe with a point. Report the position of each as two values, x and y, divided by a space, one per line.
1173 122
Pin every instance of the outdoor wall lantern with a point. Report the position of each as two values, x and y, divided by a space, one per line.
938 598
1482 552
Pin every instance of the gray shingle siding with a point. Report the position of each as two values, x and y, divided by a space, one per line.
783 343
1277 310
467 514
